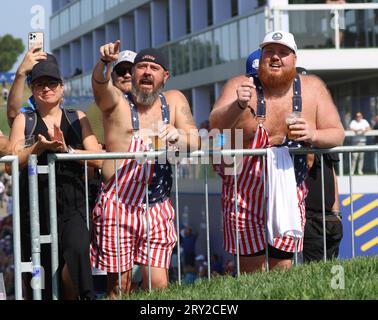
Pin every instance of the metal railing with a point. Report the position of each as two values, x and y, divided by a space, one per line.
18 266
145 156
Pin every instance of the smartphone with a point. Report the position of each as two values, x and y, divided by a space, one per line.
35 39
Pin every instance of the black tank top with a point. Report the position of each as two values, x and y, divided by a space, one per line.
70 190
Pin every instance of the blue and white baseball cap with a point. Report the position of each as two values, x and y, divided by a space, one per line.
281 37
252 63
125 56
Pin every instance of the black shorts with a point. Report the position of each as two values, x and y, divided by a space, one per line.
313 248
273 253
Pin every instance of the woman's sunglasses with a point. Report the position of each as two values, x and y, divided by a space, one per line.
51 84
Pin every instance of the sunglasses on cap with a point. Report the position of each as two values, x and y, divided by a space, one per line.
122 70
52 84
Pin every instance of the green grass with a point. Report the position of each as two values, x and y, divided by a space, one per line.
311 281
4 127
95 119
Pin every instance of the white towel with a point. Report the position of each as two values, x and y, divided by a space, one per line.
283 214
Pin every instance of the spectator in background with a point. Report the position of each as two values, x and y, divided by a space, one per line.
376 142
313 245
375 127
216 265
201 267
313 234
359 125
229 268
4 91
190 275
188 243
55 133
2 194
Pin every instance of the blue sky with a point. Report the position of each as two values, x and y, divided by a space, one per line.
16 19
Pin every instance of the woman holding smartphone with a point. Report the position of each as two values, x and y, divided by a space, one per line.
55 133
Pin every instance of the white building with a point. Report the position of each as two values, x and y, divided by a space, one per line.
208 41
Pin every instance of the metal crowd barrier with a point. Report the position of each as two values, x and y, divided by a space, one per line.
37 239
19 267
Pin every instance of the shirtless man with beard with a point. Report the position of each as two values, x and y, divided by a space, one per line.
263 123
126 119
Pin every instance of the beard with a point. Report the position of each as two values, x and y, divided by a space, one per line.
143 97
274 80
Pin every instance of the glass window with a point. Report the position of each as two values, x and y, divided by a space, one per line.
55 27
217 46
195 55
209 12
173 56
110 4
243 36
168 23
312 29
234 8
233 41
74 15
98 7
64 21
186 52
225 43
188 25
86 10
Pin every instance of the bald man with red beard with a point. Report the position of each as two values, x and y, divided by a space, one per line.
259 106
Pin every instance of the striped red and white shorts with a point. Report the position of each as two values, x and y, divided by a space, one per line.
252 226
132 235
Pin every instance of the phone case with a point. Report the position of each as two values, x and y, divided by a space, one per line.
35 39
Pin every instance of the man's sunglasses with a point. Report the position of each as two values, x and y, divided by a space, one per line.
122 70
51 84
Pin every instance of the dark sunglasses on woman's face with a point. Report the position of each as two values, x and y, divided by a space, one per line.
51 84
122 70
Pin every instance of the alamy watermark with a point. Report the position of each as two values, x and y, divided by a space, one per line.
210 143
38 278
338 280
340 22
37 21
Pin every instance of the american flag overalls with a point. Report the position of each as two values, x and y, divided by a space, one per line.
132 210
250 190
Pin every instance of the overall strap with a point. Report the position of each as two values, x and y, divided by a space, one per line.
134 112
261 109
297 97
164 109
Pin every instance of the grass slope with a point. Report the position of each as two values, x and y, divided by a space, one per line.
4 127
311 281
